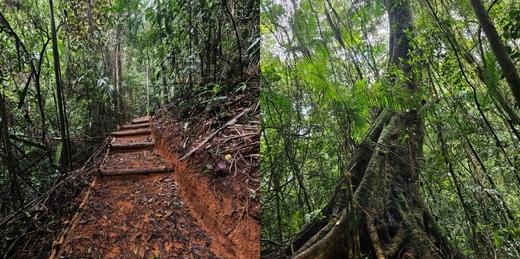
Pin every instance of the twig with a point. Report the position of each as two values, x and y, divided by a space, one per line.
231 122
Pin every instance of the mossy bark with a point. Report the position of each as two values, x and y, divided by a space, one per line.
392 218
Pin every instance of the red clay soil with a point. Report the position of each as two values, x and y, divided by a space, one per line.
137 216
181 214
220 181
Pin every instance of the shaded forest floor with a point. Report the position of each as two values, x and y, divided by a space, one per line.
138 200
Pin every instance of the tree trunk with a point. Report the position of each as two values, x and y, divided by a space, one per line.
7 157
67 157
499 49
120 111
386 216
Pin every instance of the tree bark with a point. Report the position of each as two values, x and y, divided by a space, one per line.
392 218
499 49
120 111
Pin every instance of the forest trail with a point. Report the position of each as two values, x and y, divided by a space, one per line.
133 209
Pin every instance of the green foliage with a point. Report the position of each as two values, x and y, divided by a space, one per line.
319 95
119 59
311 112
57 155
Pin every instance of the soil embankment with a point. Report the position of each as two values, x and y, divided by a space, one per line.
219 182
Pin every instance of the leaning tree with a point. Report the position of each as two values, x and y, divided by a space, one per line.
379 209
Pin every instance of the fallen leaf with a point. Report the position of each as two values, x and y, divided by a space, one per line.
141 252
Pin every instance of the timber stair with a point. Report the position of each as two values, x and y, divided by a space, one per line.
131 151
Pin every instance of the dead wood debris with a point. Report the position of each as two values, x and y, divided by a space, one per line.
29 232
231 122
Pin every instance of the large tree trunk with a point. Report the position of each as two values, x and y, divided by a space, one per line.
386 213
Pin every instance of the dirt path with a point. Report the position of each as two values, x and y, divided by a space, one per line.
133 208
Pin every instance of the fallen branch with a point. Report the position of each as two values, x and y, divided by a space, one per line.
34 203
28 142
132 132
229 123
243 146
129 171
132 145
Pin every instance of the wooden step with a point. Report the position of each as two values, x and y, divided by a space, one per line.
141 120
135 126
131 145
132 171
132 132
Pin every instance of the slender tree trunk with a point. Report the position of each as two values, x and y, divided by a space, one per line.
66 157
147 83
239 44
7 155
6 27
190 46
499 49
117 77
393 220
164 80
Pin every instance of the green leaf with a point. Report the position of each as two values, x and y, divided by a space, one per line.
496 238
57 155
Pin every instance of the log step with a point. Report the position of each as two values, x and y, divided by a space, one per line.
141 120
132 171
132 132
132 145
136 126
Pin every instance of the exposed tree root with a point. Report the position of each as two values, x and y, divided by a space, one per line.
375 240
395 222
